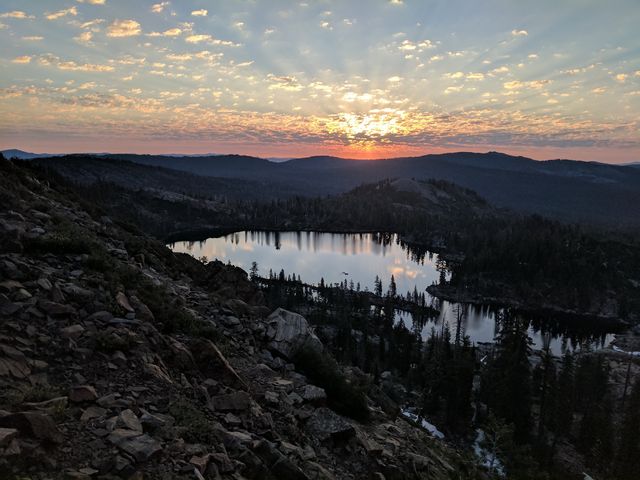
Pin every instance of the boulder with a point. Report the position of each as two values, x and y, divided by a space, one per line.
279 465
289 333
93 412
6 435
13 362
325 424
72 331
123 302
83 393
311 393
127 419
55 309
141 446
32 424
236 401
212 362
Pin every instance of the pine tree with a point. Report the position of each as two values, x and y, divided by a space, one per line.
506 384
627 463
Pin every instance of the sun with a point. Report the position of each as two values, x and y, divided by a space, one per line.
374 126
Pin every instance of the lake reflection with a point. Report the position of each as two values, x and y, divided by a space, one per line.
359 258
314 255
479 323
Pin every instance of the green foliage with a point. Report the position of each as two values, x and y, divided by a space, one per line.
58 244
198 428
110 342
342 395
506 385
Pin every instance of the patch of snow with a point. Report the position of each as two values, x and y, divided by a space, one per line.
619 350
487 459
429 427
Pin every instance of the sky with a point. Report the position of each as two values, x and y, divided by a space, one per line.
358 79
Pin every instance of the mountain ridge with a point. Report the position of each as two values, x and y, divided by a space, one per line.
572 191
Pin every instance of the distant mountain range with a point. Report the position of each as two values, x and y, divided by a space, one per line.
569 190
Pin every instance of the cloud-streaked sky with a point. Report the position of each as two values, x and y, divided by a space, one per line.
365 79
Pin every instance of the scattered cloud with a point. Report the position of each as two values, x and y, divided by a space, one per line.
475 76
534 84
519 33
16 14
73 11
93 2
198 38
33 38
199 13
123 28
70 65
84 37
22 59
172 32
92 23
394 79
159 7
622 77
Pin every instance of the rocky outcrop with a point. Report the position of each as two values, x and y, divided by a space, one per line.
289 333
119 359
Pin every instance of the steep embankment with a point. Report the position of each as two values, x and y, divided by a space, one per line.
121 359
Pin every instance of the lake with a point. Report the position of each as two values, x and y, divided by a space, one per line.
359 258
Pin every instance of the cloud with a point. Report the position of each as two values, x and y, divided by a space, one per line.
198 38
172 32
394 79
326 25
409 46
70 65
92 23
519 33
179 57
621 77
22 59
454 75
123 28
199 13
62 13
396 2
159 7
92 2
16 14
502 69
33 38
599 90
84 37
475 76
534 84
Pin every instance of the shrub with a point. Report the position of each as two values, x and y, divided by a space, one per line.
342 396
198 428
107 342
58 244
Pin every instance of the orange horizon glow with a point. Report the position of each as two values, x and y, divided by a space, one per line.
351 152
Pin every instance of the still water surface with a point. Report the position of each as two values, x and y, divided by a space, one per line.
360 258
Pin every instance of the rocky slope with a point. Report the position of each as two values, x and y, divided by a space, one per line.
119 359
